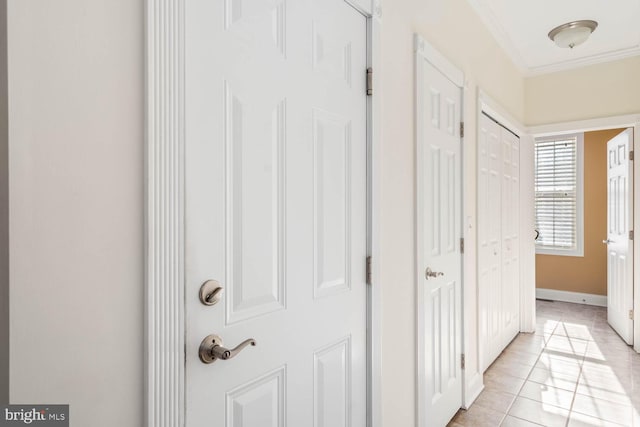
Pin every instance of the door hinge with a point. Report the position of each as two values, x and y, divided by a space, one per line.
369 81
368 274
462 362
631 314
461 129
462 245
631 235
631 155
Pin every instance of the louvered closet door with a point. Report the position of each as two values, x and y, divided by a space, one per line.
498 237
276 211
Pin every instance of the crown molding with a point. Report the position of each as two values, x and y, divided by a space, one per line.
585 61
490 21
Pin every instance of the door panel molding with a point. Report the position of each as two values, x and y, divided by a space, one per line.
164 240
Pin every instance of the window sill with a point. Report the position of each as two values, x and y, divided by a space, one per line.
558 252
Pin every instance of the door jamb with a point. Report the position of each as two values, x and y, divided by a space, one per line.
623 121
164 377
374 157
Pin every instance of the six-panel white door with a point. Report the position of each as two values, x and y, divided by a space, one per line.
498 237
619 224
276 211
439 256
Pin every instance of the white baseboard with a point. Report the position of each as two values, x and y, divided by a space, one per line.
576 297
474 388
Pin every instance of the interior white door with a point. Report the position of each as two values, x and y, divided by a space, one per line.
498 237
276 212
439 256
619 225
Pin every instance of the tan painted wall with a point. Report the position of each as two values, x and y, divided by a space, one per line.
586 274
76 154
601 90
453 28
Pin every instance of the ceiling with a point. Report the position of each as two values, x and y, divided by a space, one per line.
521 28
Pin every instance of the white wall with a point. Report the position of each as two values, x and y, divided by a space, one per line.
76 170
453 28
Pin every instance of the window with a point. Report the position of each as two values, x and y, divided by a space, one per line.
559 194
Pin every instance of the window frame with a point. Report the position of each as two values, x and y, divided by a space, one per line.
578 251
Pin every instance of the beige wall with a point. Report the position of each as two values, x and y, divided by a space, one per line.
601 90
76 156
4 210
586 274
454 29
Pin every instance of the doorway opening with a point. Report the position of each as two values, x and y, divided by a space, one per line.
584 216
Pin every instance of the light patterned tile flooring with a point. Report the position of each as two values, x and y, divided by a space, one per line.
573 371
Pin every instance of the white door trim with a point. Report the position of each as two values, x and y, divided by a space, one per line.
164 234
165 206
423 50
623 121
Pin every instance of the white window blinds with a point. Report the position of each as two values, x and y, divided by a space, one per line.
558 189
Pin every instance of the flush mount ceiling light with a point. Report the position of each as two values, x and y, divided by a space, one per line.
573 33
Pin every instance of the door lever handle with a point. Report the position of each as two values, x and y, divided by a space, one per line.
606 242
433 274
211 349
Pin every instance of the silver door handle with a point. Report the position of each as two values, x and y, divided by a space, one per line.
429 273
211 349
606 242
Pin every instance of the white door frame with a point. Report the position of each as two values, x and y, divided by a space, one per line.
165 207
625 121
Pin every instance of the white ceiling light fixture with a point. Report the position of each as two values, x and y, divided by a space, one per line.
573 33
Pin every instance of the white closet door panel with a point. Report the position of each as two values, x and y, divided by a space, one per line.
498 237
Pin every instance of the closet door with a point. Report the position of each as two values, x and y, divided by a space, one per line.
490 238
510 219
498 238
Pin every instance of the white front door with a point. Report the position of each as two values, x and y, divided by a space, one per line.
276 213
619 244
439 256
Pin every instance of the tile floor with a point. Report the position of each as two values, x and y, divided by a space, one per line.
574 371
